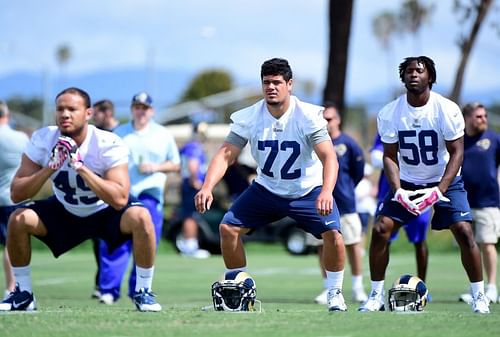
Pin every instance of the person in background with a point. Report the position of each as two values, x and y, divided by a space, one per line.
12 145
422 134
153 154
417 228
193 170
103 117
351 171
90 181
296 175
479 171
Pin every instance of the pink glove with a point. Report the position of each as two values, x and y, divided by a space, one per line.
72 151
430 197
403 197
57 157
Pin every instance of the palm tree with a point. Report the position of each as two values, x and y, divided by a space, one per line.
384 26
340 15
413 14
63 55
478 11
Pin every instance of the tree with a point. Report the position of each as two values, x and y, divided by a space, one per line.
475 10
340 16
413 14
384 26
63 55
208 83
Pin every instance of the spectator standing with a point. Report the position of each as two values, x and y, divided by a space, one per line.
12 145
153 154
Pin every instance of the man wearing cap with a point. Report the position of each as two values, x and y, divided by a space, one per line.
153 154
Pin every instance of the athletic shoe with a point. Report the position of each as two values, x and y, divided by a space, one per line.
359 295
480 304
19 301
375 302
465 297
336 300
491 293
322 298
145 300
107 298
197 254
96 294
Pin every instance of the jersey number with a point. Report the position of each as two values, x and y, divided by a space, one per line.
273 153
426 150
61 181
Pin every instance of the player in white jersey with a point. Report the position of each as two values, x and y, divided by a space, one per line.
88 169
296 174
422 133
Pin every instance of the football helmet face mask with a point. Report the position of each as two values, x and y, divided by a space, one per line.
408 293
236 292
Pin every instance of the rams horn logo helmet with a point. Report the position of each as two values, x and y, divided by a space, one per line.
408 293
236 292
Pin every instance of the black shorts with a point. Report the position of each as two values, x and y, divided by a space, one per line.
66 230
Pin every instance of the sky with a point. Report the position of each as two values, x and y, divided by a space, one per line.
234 35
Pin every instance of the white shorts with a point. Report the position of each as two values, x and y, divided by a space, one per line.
350 226
486 224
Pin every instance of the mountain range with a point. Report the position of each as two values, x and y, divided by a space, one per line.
166 88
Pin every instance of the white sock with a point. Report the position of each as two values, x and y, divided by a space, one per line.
334 279
357 281
23 277
477 287
325 283
378 286
228 270
144 278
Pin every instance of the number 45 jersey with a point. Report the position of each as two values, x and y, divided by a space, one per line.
421 133
100 151
283 148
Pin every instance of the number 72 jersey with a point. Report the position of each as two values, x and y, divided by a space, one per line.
422 133
287 163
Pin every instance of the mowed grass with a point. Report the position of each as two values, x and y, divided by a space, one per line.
286 285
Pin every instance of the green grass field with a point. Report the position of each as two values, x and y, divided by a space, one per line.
286 285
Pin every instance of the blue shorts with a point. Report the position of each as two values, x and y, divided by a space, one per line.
445 213
66 230
257 207
416 229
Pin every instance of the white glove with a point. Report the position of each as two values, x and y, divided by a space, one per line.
429 197
72 151
403 197
57 157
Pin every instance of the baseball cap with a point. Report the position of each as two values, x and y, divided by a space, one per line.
142 98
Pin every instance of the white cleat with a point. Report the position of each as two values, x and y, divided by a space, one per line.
336 300
375 302
480 304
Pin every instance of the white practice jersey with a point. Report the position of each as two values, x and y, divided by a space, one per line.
286 162
421 133
100 151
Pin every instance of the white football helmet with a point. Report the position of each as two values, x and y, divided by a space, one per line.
236 292
408 293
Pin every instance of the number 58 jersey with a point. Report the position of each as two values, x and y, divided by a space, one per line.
421 133
287 163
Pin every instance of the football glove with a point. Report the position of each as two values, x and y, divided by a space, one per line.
57 157
403 197
429 197
72 151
